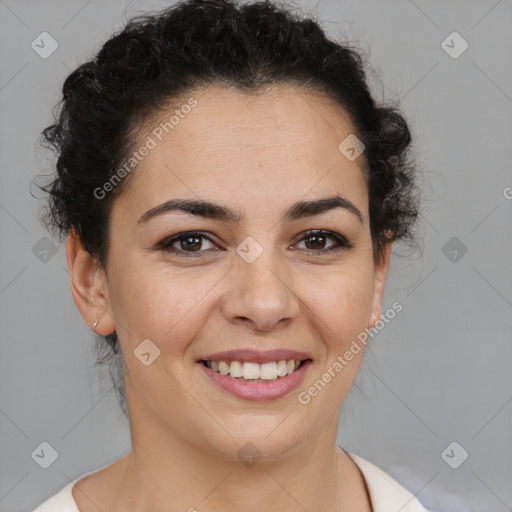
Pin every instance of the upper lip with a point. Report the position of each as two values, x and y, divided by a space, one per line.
256 356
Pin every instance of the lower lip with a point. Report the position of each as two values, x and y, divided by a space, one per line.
258 391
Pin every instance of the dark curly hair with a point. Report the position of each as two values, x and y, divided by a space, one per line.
161 56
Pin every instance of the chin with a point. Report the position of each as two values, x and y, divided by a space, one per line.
257 437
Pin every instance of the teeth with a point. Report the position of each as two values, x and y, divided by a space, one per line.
282 368
268 371
254 371
249 371
223 368
236 370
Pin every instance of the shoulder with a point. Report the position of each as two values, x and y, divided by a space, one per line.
88 483
61 502
385 492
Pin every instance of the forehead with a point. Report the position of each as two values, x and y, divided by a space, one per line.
268 145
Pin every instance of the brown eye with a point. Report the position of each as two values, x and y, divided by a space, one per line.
317 242
192 242
185 243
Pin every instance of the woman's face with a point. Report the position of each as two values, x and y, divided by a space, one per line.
259 283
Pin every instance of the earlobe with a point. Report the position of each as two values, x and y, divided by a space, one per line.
89 286
381 271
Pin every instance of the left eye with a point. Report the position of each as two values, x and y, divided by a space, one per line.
191 242
319 237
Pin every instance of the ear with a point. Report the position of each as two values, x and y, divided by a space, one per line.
380 274
89 286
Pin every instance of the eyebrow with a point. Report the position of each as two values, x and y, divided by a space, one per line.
209 210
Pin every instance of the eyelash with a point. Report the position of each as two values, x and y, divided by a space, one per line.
341 243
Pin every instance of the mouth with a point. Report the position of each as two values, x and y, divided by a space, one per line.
253 375
254 372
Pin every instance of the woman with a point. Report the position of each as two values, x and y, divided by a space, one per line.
230 192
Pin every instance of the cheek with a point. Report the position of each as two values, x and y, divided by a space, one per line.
342 304
151 302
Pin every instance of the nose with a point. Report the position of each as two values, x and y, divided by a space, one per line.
261 294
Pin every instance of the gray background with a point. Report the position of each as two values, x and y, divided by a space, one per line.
438 373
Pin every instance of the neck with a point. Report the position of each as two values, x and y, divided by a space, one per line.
168 470
172 473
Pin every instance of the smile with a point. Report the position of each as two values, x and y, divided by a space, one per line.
254 381
254 372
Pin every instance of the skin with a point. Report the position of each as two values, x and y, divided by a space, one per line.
257 154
